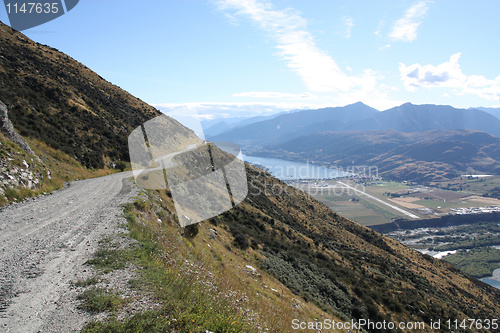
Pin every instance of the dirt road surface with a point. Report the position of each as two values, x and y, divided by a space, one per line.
44 244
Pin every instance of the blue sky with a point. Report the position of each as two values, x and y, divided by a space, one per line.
236 57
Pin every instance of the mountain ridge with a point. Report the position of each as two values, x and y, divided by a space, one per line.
407 117
288 126
417 118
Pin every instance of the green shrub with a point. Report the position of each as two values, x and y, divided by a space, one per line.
97 300
241 240
120 165
191 231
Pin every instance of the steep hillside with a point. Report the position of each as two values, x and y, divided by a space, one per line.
346 266
54 98
416 156
292 125
74 120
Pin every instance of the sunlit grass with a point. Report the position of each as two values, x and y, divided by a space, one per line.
199 283
54 170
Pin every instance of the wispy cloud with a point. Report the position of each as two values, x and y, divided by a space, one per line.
449 75
349 24
296 46
212 110
405 29
271 94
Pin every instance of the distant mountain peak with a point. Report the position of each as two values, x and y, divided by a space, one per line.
358 105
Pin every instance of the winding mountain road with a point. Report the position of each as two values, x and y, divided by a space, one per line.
43 245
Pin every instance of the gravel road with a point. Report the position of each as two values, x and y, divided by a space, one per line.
43 245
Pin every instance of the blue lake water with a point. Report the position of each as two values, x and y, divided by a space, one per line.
288 170
492 282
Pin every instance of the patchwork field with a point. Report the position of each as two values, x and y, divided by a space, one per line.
407 202
423 201
357 210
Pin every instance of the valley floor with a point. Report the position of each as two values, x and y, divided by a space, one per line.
378 202
375 202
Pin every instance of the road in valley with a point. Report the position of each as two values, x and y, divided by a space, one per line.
44 244
402 211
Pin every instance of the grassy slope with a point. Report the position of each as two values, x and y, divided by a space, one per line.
77 122
54 169
352 267
193 284
343 268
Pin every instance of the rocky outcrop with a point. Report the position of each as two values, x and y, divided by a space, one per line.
8 130
17 169
12 176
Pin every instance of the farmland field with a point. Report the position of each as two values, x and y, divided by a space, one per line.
429 201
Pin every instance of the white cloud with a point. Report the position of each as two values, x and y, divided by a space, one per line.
296 46
405 29
211 110
271 94
449 75
349 24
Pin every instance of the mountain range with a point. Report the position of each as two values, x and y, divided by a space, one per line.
326 260
360 117
408 142
220 125
493 111
289 126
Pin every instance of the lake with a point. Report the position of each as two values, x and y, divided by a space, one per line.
288 170
494 279
491 282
